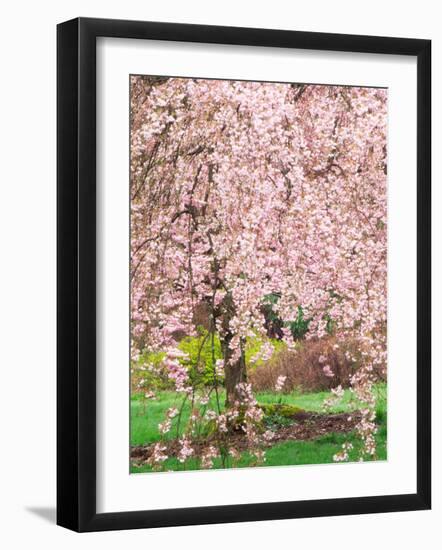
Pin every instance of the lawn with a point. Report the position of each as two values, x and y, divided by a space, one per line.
146 414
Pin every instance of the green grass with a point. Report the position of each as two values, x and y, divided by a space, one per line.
146 416
292 453
307 401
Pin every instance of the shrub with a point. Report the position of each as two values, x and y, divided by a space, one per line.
147 373
304 367
274 324
200 361
277 415
253 347
282 409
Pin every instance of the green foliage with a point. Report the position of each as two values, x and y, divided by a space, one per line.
199 350
276 421
381 404
278 415
148 374
200 362
330 327
269 301
286 410
254 345
151 357
298 327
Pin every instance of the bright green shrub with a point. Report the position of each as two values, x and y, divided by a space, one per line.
147 374
199 361
200 358
253 346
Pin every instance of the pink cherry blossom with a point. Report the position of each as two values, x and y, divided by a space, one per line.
280 383
244 189
327 371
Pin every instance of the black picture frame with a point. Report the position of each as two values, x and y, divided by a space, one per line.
77 287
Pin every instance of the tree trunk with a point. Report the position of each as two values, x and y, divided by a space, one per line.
234 372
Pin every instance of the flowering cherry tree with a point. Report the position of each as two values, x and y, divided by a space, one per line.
240 190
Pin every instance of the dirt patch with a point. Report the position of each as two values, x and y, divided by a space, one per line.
306 426
311 426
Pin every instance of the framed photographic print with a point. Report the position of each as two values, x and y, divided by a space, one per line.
243 274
